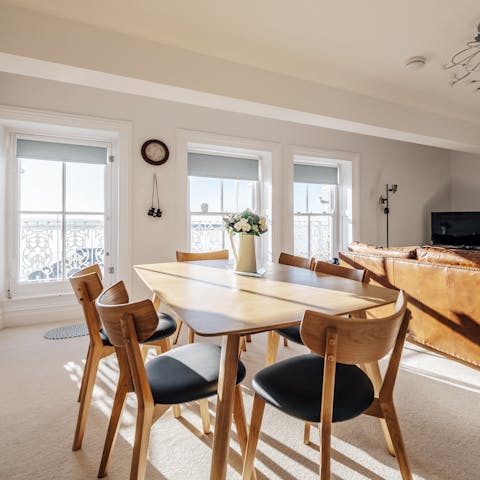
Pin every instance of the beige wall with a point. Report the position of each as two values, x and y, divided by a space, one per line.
465 174
2 217
422 173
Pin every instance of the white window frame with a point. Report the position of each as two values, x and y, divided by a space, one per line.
269 198
349 186
17 288
118 133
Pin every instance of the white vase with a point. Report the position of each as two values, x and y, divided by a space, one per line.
245 258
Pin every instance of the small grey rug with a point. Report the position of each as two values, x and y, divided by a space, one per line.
67 331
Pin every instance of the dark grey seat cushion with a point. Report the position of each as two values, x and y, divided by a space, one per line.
291 333
186 373
166 327
294 386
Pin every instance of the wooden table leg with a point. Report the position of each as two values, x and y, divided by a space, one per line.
225 400
156 302
272 347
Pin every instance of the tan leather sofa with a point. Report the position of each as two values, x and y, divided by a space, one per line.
444 290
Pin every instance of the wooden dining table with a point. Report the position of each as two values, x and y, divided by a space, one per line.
213 300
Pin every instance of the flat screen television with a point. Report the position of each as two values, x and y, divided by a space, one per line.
456 228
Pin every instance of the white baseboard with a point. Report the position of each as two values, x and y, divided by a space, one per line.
31 311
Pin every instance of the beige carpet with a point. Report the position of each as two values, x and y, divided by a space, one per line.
438 403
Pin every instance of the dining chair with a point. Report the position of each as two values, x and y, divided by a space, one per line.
329 382
191 257
294 261
185 374
293 333
87 286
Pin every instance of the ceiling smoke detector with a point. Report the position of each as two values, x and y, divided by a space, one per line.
415 63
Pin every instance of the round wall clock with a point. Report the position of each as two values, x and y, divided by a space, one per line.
155 152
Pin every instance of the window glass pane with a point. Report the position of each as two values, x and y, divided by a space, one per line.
84 187
300 231
321 236
244 195
84 242
229 195
40 185
205 194
320 198
207 233
40 247
299 197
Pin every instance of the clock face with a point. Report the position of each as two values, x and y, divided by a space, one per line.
155 152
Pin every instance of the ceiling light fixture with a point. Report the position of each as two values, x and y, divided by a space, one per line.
465 62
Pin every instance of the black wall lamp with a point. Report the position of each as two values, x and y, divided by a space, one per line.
384 201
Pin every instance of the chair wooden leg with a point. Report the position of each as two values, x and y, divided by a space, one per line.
325 450
240 419
158 411
166 345
123 388
253 434
391 419
248 338
373 371
272 347
191 336
285 342
243 344
177 332
81 393
145 348
306 433
205 414
142 437
85 401
241 423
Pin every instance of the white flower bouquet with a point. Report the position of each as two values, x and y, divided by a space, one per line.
245 222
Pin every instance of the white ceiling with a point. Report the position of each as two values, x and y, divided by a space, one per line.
359 46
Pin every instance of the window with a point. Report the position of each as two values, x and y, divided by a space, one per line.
60 210
315 207
218 184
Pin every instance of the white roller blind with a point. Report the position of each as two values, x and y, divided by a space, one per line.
218 166
315 174
61 152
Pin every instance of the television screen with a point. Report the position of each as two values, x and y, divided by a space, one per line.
456 228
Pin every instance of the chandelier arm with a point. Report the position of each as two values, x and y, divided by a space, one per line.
459 79
463 60
476 66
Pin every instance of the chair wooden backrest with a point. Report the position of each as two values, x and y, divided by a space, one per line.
127 325
190 257
295 261
358 340
358 274
87 286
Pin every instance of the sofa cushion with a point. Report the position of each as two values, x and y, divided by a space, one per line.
394 252
449 256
